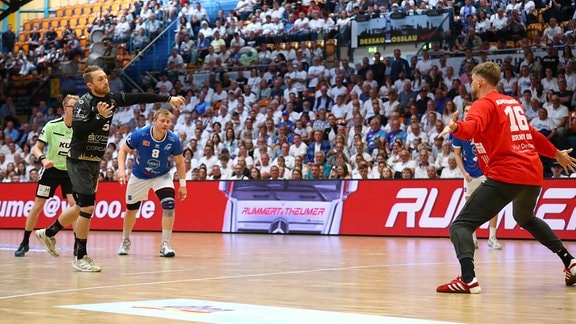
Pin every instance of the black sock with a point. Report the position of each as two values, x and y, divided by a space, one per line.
467 265
80 248
54 228
75 244
565 256
26 239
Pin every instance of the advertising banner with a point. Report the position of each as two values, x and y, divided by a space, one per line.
406 29
351 207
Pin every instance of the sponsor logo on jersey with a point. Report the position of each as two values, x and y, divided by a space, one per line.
145 143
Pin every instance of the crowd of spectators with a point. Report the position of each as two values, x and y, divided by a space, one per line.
255 22
59 50
46 52
298 116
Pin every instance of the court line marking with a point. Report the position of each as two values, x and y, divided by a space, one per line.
254 275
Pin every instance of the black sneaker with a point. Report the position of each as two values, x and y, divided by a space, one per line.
22 249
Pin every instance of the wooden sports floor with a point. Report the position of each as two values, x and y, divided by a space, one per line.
391 277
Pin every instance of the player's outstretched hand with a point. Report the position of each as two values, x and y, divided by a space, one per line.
451 127
176 102
566 161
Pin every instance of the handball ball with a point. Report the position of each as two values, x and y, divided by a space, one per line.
247 56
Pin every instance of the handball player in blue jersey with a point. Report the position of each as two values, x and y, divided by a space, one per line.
153 146
467 161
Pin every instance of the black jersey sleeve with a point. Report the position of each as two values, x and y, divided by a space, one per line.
128 99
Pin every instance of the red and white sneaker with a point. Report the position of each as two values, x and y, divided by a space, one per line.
570 272
457 286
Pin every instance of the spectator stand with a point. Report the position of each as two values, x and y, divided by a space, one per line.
275 112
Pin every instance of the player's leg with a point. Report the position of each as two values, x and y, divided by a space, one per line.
31 221
136 191
47 185
67 192
32 217
85 183
166 195
69 215
524 215
82 262
492 240
484 202
469 187
82 225
128 225
66 187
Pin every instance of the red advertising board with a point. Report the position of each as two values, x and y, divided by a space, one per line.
373 207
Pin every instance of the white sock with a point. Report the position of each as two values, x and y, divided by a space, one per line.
492 232
166 235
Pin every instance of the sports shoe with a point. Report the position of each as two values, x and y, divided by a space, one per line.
494 244
86 264
22 249
460 287
48 242
124 247
166 250
570 272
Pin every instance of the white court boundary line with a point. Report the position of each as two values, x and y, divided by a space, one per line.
255 275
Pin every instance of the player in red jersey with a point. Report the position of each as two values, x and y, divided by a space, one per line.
508 149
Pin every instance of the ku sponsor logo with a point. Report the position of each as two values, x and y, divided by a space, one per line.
415 209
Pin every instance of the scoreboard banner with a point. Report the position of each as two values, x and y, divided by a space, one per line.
350 207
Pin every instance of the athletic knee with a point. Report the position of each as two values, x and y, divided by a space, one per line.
84 200
134 206
453 229
458 227
86 212
166 196
168 203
